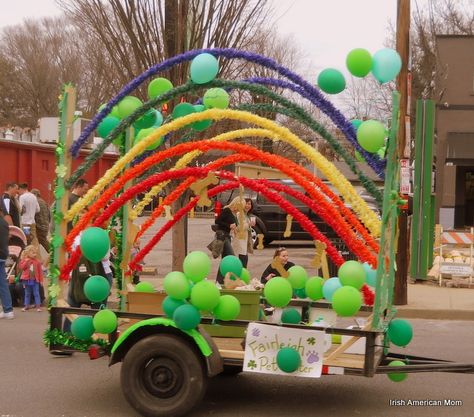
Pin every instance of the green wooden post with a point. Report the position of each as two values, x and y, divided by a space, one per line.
67 107
432 230
422 242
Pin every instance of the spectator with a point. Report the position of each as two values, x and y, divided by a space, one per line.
42 219
10 203
29 207
31 276
279 257
242 244
80 188
5 296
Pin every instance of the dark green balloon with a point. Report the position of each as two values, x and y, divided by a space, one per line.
400 332
186 317
331 81
290 316
170 304
82 327
288 359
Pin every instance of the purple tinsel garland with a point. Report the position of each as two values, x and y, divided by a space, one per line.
316 97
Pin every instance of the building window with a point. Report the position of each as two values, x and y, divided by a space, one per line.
45 165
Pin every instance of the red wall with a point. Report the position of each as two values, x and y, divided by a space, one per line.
34 164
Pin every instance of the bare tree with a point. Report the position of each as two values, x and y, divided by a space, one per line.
41 59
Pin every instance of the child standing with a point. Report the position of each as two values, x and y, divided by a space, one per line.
31 275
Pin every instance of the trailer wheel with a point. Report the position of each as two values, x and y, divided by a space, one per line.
162 375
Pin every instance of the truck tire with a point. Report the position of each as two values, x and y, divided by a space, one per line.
162 375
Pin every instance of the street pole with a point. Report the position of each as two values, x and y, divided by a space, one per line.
403 48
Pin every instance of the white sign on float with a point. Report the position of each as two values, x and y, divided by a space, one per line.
263 343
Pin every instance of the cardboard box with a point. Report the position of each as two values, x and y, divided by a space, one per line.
145 302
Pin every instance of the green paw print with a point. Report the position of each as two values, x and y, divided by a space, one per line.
311 340
252 364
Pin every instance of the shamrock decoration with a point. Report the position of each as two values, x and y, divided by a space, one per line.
59 150
311 340
54 290
58 217
61 171
252 364
57 241
59 192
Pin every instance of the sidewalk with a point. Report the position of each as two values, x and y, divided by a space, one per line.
429 301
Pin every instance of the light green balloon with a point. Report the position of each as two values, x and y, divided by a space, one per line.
105 321
346 301
216 98
371 135
205 295
128 105
359 62
196 266
228 308
397 376
176 285
352 273
144 286
245 275
297 277
158 87
314 288
142 134
278 292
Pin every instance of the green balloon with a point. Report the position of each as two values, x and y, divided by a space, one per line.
96 288
288 359
205 295
346 301
176 285
297 277
94 243
400 332
371 135
142 134
359 62
331 81
203 124
128 105
170 304
228 308
358 156
352 273
386 65
245 275
216 98
183 109
300 293
119 140
107 125
158 87
196 266
356 123
149 119
290 316
314 288
278 292
113 113
204 68
82 327
397 376
186 317
105 321
381 152
231 263
144 286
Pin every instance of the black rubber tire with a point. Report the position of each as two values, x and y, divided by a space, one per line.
162 375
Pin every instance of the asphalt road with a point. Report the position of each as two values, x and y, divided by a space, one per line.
34 383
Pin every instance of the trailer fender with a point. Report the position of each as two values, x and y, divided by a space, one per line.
201 341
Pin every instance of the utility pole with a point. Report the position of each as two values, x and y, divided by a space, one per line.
403 151
175 39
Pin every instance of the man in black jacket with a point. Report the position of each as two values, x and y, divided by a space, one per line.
5 296
11 208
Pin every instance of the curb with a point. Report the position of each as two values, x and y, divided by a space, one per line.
416 313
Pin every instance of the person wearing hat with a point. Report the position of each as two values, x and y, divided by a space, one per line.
42 220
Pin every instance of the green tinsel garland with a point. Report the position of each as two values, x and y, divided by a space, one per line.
57 337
